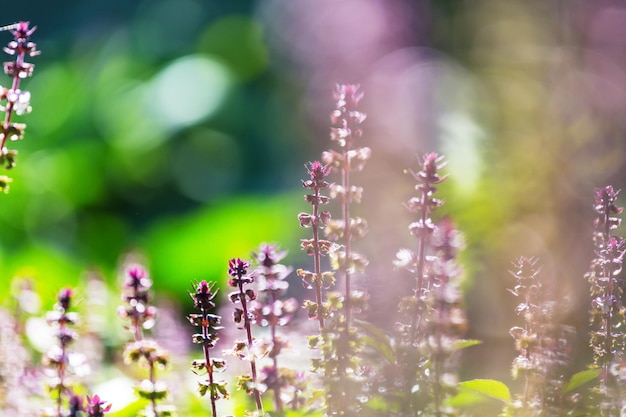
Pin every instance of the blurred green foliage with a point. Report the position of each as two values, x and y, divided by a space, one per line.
152 121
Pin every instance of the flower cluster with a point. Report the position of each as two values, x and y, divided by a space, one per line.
15 101
203 295
272 310
239 279
143 351
136 295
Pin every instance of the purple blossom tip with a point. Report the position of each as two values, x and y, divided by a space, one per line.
433 162
96 407
269 255
203 287
137 277
65 298
24 30
317 171
136 272
348 95
237 267
605 198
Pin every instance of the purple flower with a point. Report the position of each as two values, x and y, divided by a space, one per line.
237 267
94 407
65 298
317 171
204 295
347 95
269 255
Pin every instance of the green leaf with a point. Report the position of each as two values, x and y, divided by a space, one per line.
581 378
378 340
465 397
489 387
462 344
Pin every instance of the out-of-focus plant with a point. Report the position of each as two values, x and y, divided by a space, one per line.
59 360
63 365
419 350
608 338
143 351
341 344
203 296
346 129
15 101
272 310
18 382
544 347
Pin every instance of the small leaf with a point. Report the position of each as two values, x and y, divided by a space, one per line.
462 344
581 378
202 388
490 388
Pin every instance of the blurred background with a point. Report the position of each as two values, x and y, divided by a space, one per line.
178 130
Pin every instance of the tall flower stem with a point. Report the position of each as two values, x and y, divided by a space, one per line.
316 247
278 402
207 361
147 352
65 336
317 261
237 269
203 296
246 315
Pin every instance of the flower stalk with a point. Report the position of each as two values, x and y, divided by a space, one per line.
15 101
143 351
59 359
238 270
316 247
203 295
